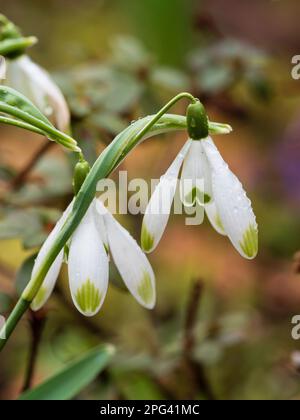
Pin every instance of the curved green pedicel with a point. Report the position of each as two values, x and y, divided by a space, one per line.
145 289
88 297
249 243
147 240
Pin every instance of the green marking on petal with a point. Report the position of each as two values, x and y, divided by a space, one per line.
145 289
219 223
196 194
88 297
106 248
40 297
207 198
249 244
147 240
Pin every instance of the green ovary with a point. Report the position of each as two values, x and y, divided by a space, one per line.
249 244
145 289
147 240
88 297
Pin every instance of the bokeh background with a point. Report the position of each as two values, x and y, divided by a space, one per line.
222 325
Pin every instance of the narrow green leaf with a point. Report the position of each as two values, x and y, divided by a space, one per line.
75 377
16 105
11 98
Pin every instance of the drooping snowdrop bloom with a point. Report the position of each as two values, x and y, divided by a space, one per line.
35 83
207 181
88 262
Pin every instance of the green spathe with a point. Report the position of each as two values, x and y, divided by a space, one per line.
88 297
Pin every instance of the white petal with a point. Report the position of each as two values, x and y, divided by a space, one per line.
158 210
232 203
214 217
35 83
51 277
131 262
195 184
100 210
88 267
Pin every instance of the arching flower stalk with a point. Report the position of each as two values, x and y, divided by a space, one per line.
207 181
87 231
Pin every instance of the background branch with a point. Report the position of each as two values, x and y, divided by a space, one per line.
37 322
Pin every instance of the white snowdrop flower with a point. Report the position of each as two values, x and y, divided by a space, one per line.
206 181
36 84
97 236
159 207
51 277
88 266
131 262
234 211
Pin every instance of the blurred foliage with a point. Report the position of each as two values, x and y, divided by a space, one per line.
71 380
130 61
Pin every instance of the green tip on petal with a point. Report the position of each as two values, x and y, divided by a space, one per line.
147 240
145 290
249 244
88 298
219 223
39 299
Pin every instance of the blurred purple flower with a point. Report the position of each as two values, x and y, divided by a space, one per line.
287 158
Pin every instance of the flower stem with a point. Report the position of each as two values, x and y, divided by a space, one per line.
17 313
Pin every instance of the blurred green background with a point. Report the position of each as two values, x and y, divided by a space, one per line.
118 60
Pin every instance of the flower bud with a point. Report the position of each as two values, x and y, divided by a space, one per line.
81 170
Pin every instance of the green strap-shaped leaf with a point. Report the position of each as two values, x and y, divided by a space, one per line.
11 98
16 105
75 377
